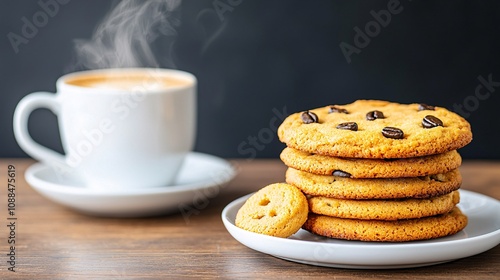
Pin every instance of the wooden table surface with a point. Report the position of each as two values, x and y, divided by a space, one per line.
53 242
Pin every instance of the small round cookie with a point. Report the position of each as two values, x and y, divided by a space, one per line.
389 188
387 231
376 129
388 210
371 168
277 209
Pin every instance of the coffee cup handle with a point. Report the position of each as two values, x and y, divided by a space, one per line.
23 110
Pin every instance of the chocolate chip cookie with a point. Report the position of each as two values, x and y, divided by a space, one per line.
371 168
376 129
387 231
388 188
384 209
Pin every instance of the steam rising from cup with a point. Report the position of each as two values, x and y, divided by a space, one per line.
125 36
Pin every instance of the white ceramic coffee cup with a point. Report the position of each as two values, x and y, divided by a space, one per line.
136 136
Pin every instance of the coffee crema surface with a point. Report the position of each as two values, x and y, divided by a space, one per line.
128 81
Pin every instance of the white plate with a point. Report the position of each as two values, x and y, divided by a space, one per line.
481 234
200 179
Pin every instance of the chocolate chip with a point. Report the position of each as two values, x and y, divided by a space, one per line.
348 126
335 109
423 106
373 115
430 121
341 173
309 117
393 133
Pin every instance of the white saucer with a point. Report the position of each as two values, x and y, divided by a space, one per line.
200 179
481 234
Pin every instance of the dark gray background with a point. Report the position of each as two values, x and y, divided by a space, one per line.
262 59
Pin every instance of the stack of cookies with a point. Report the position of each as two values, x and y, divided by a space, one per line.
376 170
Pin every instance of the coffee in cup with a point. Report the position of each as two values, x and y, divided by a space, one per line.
120 128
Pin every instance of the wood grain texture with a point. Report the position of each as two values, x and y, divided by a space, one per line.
57 243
